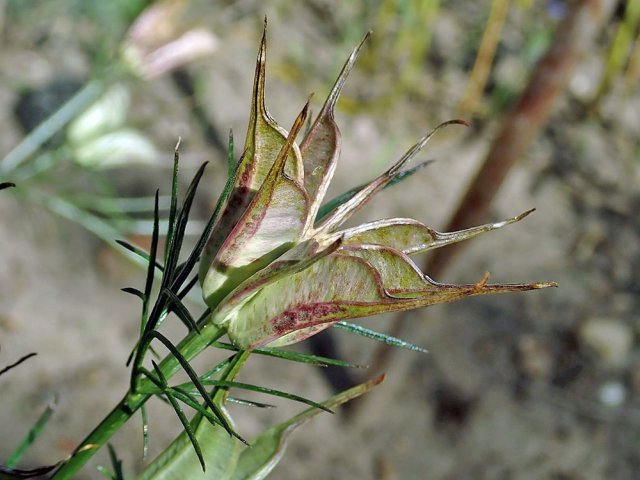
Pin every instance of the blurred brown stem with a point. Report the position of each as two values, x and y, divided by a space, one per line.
574 35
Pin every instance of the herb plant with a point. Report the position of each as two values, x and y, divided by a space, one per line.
274 268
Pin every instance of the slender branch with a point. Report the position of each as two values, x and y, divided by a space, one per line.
190 347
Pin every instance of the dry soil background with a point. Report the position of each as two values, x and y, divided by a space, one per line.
529 386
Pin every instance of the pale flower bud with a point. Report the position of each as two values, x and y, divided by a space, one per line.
158 41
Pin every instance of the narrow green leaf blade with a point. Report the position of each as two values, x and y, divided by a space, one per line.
181 225
299 357
138 251
266 450
196 383
105 472
183 418
145 432
187 288
191 401
134 291
32 435
249 403
265 390
116 463
171 227
15 473
378 336
153 252
181 311
154 248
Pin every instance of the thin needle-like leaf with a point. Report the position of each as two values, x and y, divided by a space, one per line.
378 337
184 363
159 310
249 403
138 251
190 400
181 224
32 435
105 472
38 472
174 201
218 368
256 388
299 357
187 288
183 418
116 463
185 268
18 362
144 318
134 291
181 311
153 252
145 432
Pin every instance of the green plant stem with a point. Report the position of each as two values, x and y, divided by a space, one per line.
47 129
190 347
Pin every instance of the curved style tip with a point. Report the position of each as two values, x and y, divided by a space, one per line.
332 99
366 37
421 144
455 121
176 149
305 110
524 214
